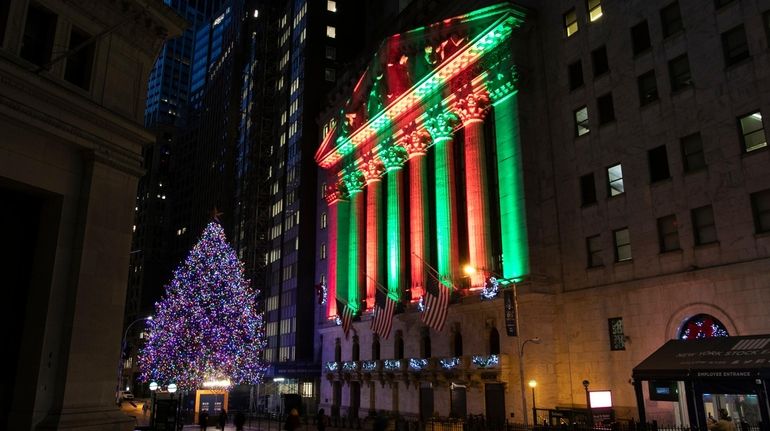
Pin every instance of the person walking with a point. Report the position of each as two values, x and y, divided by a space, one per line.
203 420
239 421
222 419
292 421
321 420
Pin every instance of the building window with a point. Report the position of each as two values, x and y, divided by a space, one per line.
704 228
331 6
692 152
622 240
734 46
615 180
679 72
329 74
599 61
668 233
648 88
606 108
752 132
640 38
760 204
617 337
671 19
594 9
331 32
658 161
324 220
331 53
702 326
587 189
581 121
80 60
570 22
39 34
594 251
323 251
575 75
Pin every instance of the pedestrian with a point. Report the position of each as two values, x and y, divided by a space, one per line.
321 420
724 423
145 407
203 420
222 419
292 421
239 421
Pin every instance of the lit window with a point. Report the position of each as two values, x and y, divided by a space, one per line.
324 220
581 121
668 233
617 335
570 22
622 244
752 132
702 326
594 9
323 251
331 6
331 32
615 180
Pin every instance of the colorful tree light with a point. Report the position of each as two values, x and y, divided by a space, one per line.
206 326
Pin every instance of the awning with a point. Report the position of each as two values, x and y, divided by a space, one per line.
710 358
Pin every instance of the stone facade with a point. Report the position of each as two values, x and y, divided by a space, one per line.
76 150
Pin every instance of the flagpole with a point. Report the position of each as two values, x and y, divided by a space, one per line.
438 275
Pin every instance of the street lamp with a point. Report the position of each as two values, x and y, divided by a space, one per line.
123 349
588 403
153 388
535 340
532 384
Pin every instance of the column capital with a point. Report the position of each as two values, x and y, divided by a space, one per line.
441 124
472 107
354 181
394 157
417 142
502 83
335 193
373 169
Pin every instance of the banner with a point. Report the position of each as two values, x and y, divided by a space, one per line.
511 322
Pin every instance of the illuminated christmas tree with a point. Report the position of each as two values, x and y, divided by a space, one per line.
206 326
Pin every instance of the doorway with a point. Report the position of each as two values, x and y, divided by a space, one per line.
494 400
426 402
457 402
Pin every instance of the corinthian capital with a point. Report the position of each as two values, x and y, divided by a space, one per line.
472 107
441 124
373 170
417 142
394 157
354 181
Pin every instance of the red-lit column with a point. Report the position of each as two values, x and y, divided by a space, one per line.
471 110
373 171
440 126
417 146
335 200
393 158
354 181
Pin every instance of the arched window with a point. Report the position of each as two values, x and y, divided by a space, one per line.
702 326
494 342
399 347
458 344
356 349
425 341
337 351
376 348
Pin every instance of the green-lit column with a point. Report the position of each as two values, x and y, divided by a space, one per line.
393 158
440 126
510 177
339 234
354 181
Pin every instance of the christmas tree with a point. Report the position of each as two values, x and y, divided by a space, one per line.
206 326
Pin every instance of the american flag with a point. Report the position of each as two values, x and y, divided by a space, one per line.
436 303
384 307
346 315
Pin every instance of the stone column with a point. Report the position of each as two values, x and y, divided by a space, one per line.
374 228
472 110
338 251
417 146
393 158
354 181
440 126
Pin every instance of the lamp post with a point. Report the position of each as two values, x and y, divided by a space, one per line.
535 340
120 356
153 388
588 403
532 384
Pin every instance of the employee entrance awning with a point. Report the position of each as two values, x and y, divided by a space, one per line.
721 357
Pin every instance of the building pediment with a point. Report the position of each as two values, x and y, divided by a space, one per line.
410 72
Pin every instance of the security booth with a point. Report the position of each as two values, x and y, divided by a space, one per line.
700 377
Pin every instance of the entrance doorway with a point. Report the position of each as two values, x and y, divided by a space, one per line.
426 402
355 399
457 402
494 400
742 409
